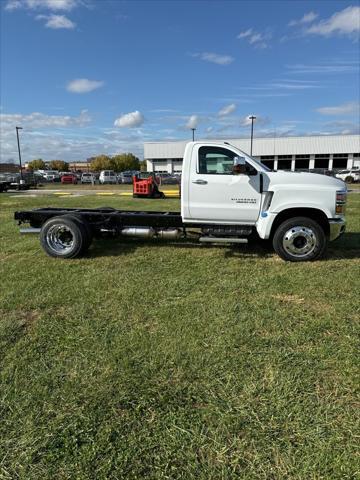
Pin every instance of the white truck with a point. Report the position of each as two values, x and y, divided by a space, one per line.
349 176
227 197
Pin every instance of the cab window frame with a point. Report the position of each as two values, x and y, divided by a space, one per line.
214 149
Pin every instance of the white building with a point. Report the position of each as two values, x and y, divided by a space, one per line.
284 153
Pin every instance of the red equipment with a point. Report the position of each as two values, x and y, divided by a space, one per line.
146 186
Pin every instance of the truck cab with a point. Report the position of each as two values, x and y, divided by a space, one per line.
222 185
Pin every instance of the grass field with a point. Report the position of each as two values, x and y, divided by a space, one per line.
152 360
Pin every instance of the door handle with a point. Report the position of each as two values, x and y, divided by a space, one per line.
200 182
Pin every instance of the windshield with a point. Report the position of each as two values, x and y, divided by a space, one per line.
267 169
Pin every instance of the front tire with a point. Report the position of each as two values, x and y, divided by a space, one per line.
300 239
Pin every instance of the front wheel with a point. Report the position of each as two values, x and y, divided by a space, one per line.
299 239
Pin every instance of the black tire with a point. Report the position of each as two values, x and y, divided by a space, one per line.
300 239
62 237
87 231
349 179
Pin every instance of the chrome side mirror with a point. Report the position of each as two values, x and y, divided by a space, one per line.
239 166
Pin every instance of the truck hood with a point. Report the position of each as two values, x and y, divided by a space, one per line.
301 180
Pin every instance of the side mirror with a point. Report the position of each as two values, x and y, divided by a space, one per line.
239 166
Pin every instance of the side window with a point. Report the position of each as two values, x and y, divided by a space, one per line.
215 161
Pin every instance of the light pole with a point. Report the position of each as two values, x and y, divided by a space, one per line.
252 118
193 133
18 142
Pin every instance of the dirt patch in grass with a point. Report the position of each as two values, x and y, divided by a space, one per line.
313 305
14 325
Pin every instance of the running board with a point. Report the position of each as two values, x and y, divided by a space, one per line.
222 240
30 230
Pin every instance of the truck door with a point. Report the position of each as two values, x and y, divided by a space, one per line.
218 195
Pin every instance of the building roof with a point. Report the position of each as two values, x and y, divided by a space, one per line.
266 146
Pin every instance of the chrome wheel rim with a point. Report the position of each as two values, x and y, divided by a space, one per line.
60 238
299 241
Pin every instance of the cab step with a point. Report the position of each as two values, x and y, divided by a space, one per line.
222 240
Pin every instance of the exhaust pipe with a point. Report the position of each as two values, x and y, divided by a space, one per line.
149 232
169 233
142 232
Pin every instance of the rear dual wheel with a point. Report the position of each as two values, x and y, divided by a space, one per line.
66 236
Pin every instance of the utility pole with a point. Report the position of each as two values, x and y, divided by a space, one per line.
193 133
252 118
18 142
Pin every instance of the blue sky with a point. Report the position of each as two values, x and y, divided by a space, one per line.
85 77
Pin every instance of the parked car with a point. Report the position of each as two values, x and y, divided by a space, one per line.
126 177
168 179
17 182
4 185
51 176
88 178
107 176
349 176
69 178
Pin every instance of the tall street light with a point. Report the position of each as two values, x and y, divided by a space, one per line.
18 142
193 133
252 118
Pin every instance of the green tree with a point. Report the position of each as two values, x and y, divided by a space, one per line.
101 162
59 165
125 161
37 164
143 166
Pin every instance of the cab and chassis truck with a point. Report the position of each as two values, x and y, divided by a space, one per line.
227 197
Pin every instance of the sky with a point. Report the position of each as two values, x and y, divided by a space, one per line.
85 77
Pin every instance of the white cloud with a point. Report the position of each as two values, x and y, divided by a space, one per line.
83 85
307 18
349 108
245 33
42 133
130 120
51 136
214 58
291 85
343 127
345 22
57 21
13 5
192 122
333 67
258 40
227 110
41 120
56 5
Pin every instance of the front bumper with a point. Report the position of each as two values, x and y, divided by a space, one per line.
337 228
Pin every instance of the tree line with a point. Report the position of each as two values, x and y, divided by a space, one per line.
118 163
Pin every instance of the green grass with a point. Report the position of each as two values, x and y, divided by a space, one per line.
176 361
